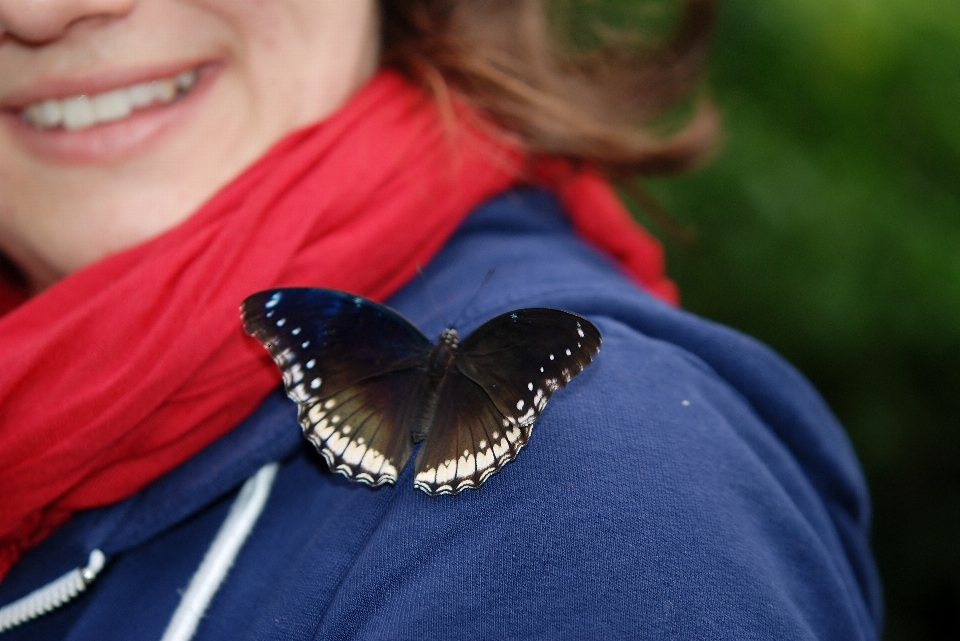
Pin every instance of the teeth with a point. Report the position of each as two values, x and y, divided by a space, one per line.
47 113
186 79
81 112
78 113
164 90
112 105
140 95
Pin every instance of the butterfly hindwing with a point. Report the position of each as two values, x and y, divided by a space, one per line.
468 440
363 431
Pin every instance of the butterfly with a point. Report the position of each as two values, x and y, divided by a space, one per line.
369 384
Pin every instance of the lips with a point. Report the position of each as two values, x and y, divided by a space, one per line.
82 111
107 118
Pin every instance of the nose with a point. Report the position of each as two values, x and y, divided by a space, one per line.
40 21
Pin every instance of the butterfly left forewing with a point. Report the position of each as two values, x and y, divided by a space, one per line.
324 340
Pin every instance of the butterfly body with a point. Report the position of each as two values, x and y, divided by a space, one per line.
369 384
438 363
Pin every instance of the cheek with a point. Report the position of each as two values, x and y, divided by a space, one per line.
301 59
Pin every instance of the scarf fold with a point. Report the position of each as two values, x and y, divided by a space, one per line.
126 368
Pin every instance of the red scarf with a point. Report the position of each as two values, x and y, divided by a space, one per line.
125 369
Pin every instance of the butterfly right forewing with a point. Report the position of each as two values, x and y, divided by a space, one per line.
522 357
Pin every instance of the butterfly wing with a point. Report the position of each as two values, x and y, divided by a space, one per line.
500 381
467 441
363 430
354 369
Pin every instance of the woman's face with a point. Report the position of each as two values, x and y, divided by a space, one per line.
118 118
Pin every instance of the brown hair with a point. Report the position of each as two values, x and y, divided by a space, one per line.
594 106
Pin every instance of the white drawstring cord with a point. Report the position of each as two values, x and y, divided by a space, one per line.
53 595
244 512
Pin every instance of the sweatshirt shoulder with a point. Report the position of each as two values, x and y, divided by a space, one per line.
689 482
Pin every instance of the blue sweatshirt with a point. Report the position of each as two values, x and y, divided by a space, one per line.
689 484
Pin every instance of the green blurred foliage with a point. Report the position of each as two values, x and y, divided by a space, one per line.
828 226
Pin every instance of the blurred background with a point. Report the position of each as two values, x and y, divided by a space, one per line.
829 226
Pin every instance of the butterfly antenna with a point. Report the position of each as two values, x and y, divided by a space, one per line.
483 283
433 303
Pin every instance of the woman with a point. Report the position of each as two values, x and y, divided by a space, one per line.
160 161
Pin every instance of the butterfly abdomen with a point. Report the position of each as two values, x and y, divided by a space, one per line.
439 362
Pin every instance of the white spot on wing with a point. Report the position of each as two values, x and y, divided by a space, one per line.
316 413
299 394
296 331
323 430
427 477
372 461
520 404
527 418
466 465
446 472
296 373
388 470
281 322
539 400
338 443
530 386
273 300
354 453
485 460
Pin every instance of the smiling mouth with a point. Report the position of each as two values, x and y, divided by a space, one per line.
75 113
